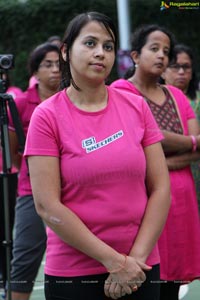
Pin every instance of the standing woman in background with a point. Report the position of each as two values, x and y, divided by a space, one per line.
14 91
92 150
181 73
179 244
29 241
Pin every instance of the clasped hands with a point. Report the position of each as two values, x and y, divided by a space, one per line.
126 279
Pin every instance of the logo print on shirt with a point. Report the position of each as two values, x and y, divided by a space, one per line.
90 143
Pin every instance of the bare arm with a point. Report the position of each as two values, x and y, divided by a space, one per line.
159 201
16 157
158 186
177 162
184 159
174 142
45 180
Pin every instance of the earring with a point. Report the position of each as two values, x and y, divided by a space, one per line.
136 65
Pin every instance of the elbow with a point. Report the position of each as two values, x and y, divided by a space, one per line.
40 209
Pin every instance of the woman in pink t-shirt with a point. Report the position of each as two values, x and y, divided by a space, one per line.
93 156
179 244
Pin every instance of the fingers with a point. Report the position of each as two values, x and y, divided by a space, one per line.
144 266
106 287
114 290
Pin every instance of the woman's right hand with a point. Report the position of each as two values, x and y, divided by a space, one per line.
127 279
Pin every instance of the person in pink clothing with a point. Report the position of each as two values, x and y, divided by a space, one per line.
93 154
30 233
179 244
14 91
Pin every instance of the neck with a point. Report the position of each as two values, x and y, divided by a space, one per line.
45 93
144 83
89 99
144 86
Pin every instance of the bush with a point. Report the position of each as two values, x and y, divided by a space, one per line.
27 23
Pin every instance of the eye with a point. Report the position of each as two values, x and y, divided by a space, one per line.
166 52
90 43
108 46
154 49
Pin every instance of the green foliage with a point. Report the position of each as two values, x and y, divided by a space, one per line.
26 23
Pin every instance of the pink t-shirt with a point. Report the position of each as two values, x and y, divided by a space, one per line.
14 91
103 169
25 105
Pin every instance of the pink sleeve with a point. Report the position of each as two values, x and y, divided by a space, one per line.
41 137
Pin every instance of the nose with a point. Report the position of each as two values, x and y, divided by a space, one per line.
99 51
181 70
161 53
56 67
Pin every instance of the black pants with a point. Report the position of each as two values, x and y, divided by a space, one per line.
169 290
92 287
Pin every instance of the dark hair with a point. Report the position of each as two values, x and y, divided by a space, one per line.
71 33
53 38
38 54
139 39
193 85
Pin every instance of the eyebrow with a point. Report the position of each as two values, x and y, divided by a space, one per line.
49 60
95 38
157 43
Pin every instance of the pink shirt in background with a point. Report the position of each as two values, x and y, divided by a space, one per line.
32 81
25 106
179 244
14 92
103 171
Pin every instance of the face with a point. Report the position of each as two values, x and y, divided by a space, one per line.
91 55
153 58
48 72
179 74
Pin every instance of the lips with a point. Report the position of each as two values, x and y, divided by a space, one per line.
98 65
181 80
55 78
159 65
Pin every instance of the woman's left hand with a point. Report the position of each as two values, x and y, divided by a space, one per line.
113 289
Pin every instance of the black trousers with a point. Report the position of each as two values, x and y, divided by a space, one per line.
169 290
92 287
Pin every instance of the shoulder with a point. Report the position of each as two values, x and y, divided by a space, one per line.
175 91
14 91
122 84
52 105
125 93
126 99
178 95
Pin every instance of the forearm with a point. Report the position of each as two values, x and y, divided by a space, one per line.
16 160
152 224
177 162
176 142
16 157
73 231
